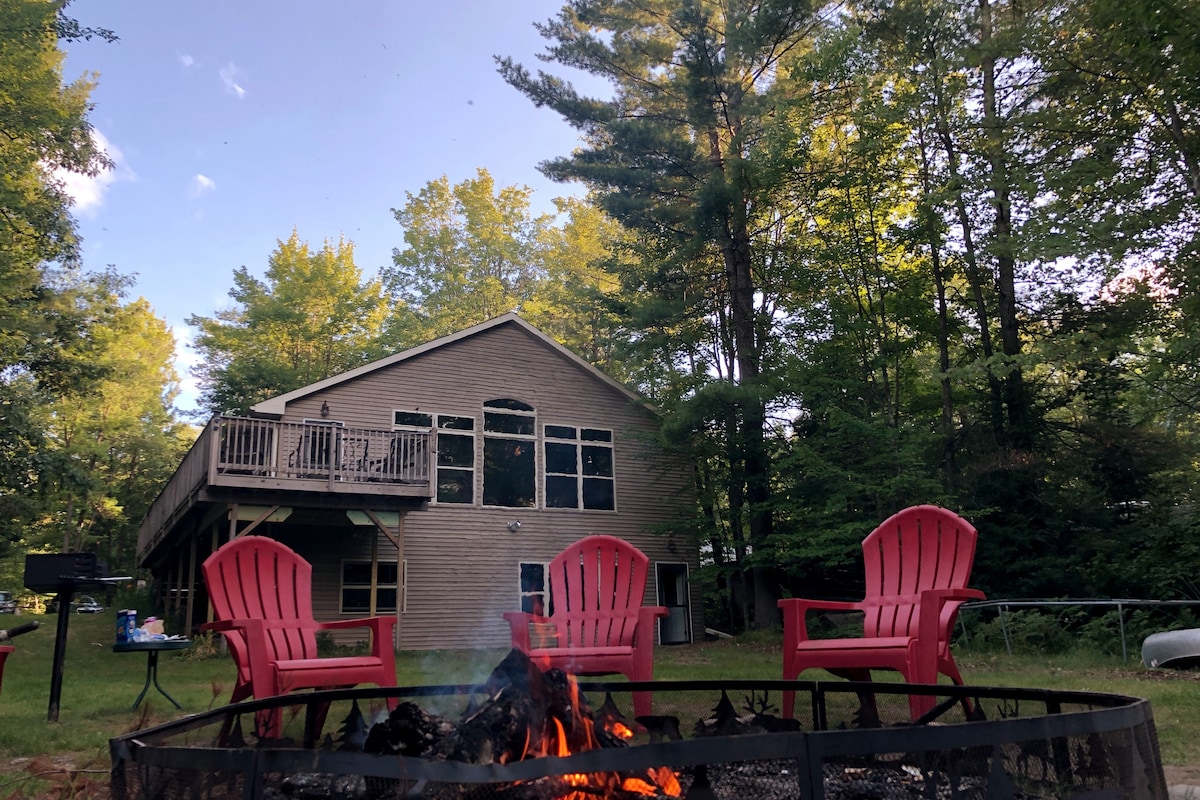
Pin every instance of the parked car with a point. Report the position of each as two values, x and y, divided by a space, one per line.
84 604
8 604
87 605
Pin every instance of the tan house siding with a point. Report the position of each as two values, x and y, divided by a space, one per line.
463 562
462 559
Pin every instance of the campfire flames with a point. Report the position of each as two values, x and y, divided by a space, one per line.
657 782
528 713
619 730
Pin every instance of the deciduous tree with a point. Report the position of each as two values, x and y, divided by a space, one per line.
311 316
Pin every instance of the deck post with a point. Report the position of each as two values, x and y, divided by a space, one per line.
191 597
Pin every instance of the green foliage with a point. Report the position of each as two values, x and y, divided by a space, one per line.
474 252
45 129
1023 631
90 439
1070 629
86 383
680 155
312 317
471 254
897 234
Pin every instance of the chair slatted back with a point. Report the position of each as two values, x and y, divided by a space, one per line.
917 549
255 577
596 588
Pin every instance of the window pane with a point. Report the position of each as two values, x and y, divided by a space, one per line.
508 423
508 478
533 577
597 461
455 451
560 432
358 600
562 492
387 573
455 486
457 423
385 600
534 604
593 435
560 458
511 405
598 493
356 572
414 419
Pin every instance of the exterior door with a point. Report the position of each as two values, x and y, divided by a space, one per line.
676 626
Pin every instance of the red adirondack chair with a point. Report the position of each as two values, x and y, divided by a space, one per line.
600 625
917 563
261 592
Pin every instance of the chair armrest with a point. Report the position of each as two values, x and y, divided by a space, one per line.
382 629
931 620
253 627
253 634
378 622
795 609
645 622
519 622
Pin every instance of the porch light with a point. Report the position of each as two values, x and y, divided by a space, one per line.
325 409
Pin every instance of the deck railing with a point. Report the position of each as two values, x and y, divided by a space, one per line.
320 451
245 452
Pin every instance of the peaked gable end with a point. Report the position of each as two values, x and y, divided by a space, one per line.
277 406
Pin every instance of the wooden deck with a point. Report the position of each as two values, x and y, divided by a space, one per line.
257 459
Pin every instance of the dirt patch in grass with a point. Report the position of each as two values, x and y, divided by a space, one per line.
59 776
1182 776
1161 675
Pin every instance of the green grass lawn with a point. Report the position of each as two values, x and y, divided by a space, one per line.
99 686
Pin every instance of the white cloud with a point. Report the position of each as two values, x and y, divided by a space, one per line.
87 191
229 74
187 61
201 184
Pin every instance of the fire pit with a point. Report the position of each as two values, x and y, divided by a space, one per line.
706 740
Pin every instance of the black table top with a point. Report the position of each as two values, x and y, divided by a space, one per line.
153 644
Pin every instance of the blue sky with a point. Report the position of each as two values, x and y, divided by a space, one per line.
234 122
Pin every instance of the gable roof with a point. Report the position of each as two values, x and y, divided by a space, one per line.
276 406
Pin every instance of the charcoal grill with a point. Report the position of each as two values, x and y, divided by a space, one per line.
978 742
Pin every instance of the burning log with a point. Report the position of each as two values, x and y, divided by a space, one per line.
527 713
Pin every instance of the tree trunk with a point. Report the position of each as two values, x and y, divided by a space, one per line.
943 336
974 274
1015 396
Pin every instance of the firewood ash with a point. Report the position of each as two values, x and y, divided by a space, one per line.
408 731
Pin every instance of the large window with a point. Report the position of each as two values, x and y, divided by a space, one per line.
356 586
508 454
579 468
456 459
500 453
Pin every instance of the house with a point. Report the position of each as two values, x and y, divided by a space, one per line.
435 484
